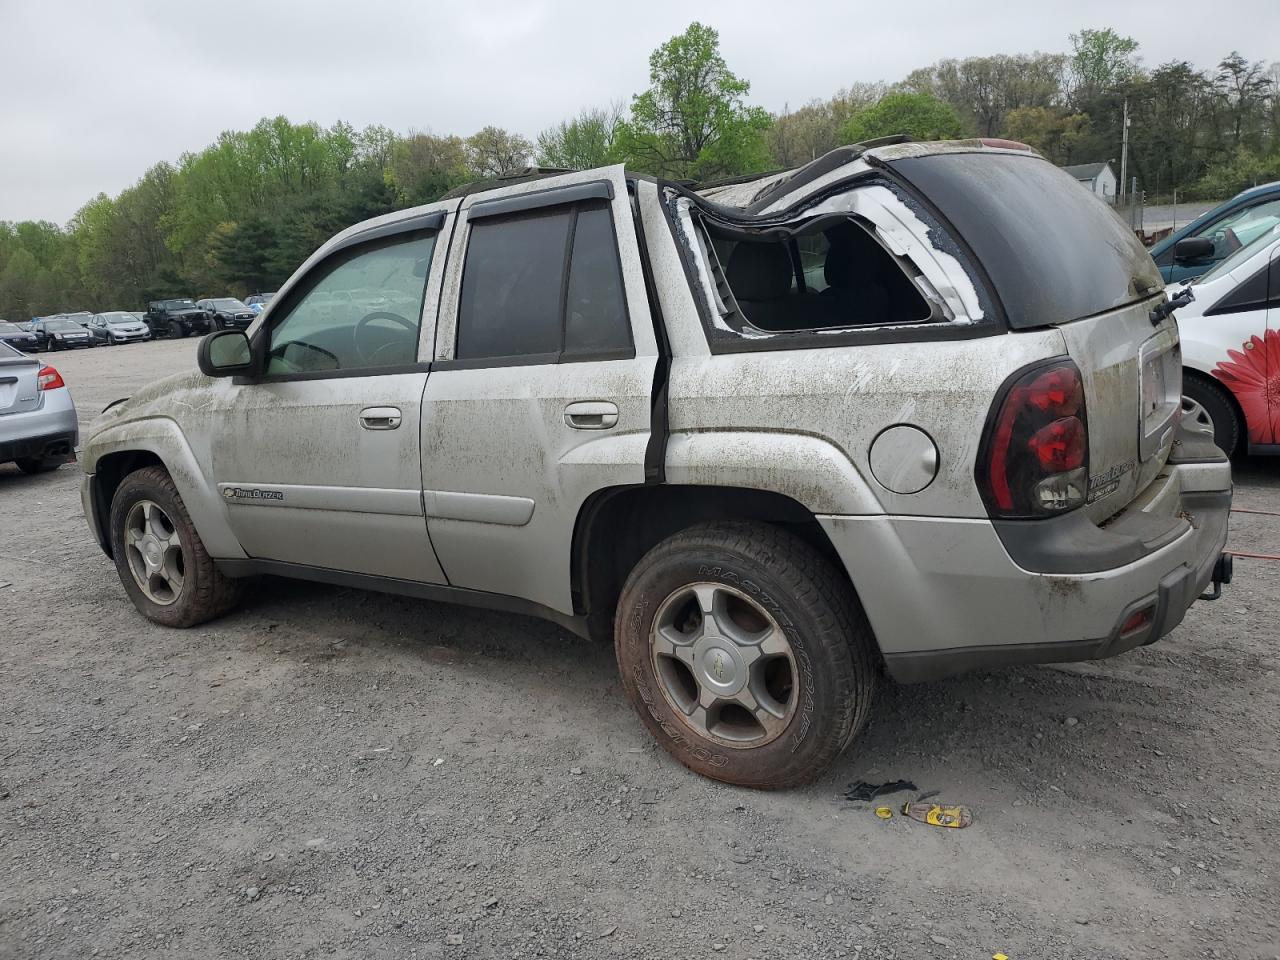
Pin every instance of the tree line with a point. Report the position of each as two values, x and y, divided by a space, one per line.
240 215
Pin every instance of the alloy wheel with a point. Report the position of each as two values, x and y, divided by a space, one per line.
154 552
1196 417
724 665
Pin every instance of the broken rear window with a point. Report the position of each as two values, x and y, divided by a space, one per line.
832 275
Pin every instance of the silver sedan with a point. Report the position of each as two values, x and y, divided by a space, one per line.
38 425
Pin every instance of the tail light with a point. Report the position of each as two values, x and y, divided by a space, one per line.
49 379
1034 459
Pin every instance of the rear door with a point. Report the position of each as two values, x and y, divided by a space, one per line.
540 392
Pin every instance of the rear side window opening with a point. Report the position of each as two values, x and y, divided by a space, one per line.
833 275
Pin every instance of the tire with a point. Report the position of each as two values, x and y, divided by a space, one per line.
34 465
177 331
204 593
1211 401
763 582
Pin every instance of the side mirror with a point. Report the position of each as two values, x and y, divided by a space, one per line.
1190 250
226 353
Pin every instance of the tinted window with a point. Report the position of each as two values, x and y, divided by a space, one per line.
363 311
1054 251
510 304
595 308
518 301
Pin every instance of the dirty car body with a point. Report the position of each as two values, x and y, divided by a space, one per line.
601 398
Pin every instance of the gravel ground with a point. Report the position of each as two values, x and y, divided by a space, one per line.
331 773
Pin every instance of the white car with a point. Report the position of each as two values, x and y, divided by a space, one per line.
1231 348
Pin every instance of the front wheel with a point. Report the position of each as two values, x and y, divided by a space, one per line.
177 331
160 557
746 654
1207 407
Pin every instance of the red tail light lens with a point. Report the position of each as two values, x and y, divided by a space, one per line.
49 379
1034 460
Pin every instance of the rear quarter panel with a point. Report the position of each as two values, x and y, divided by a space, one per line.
834 402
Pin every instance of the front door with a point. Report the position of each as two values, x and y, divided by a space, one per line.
319 462
540 393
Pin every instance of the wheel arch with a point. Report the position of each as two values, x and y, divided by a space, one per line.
617 526
118 451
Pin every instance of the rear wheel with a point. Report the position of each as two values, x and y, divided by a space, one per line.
1207 406
160 557
745 653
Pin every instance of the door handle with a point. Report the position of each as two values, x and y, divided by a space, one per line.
591 415
380 418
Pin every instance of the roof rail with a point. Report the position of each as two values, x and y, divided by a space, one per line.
505 180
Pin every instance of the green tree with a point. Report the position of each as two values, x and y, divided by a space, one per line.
588 140
1240 170
423 167
1101 60
918 115
982 90
1245 87
812 130
1054 133
694 121
494 152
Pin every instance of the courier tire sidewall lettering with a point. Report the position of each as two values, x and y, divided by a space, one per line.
811 603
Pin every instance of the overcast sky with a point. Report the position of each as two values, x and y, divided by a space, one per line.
92 93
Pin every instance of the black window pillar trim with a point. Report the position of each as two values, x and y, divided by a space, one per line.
655 454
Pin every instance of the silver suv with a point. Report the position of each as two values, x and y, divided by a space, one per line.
911 408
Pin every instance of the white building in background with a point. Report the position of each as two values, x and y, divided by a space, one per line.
1098 177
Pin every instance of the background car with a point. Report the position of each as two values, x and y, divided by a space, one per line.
16 337
175 318
1230 337
38 424
59 333
228 313
258 302
1230 226
117 326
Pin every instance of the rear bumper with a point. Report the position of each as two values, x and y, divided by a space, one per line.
944 595
49 432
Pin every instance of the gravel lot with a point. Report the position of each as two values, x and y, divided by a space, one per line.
331 773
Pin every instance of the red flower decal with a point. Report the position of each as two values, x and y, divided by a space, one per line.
1253 375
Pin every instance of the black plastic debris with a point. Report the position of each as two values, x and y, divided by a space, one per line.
861 790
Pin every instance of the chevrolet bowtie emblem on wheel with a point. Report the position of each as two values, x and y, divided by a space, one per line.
251 493
717 665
